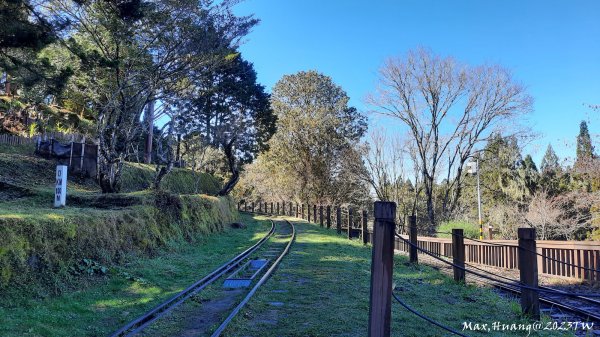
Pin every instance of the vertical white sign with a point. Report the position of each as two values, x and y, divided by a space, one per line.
60 193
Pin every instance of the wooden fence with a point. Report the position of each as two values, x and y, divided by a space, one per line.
10 139
16 140
562 259
81 157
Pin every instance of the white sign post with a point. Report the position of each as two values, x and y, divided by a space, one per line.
60 197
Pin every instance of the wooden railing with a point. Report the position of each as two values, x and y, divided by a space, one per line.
563 259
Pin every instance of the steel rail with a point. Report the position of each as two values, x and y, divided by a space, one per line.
141 322
544 299
262 280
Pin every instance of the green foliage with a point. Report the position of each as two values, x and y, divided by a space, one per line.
550 161
471 230
313 152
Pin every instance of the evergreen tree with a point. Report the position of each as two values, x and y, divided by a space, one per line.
585 150
550 160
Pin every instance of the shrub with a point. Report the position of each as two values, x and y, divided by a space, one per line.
470 230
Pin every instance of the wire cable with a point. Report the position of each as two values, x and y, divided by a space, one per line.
427 318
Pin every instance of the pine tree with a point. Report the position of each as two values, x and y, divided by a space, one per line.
585 150
550 160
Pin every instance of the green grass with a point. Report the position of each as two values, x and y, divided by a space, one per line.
470 230
101 304
324 288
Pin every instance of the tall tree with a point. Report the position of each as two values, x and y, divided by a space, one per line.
585 150
550 161
449 108
134 52
316 132
232 112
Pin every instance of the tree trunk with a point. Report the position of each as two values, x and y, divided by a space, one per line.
109 177
161 174
235 173
150 135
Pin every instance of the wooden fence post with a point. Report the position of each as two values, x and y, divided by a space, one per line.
412 238
349 223
458 254
338 220
365 234
382 264
315 213
530 300
328 216
491 232
321 215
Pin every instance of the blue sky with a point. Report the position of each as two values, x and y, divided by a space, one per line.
553 48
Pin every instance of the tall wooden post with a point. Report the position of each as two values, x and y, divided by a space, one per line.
308 212
297 210
303 217
528 268
321 215
260 206
253 207
290 207
271 207
365 234
266 207
382 264
338 219
278 208
349 223
458 254
315 213
328 216
412 238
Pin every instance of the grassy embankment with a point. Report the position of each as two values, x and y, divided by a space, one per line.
322 289
46 252
107 302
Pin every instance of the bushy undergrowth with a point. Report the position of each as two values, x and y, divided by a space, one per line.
470 230
38 246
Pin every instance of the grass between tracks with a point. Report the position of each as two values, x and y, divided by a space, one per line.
322 289
102 304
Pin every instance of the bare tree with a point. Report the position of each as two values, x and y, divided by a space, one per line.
543 215
449 108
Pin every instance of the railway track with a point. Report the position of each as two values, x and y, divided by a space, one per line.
561 308
586 309
241 271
